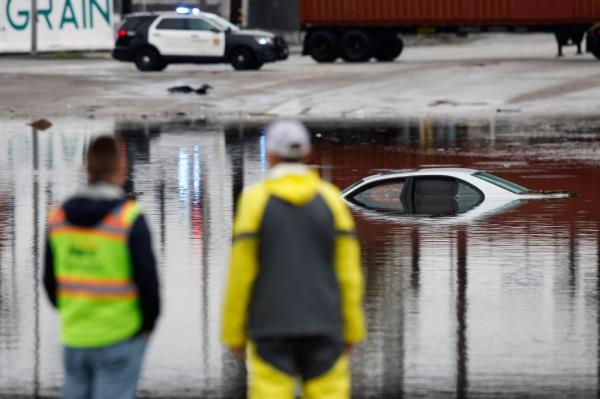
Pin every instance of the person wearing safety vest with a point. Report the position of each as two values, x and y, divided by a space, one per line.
100 273
293 301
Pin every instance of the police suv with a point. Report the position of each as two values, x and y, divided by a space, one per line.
154 40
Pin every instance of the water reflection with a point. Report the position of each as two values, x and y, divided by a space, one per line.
462 382
598 302
503 305
36 263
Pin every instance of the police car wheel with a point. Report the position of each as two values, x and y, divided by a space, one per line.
243 58
148 59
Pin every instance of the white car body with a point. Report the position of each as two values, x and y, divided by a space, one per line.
495 198
208 39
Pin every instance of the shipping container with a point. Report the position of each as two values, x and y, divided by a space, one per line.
358 30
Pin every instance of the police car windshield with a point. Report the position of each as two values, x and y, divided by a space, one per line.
223 24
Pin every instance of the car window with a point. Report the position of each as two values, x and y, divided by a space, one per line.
172 24
199 24
434 186
144 25
138 24
383 196
435 196
468 197
132 23
222 23
500 182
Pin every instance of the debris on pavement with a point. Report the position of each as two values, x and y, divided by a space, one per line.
189 89
180 89
509 110
41 124
437 103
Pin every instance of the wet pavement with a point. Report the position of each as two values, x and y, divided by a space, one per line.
502 304
480 76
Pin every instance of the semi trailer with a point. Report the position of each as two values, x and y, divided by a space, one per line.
358 30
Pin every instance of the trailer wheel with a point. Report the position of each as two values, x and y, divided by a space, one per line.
358 46
594 43
322 46
389 48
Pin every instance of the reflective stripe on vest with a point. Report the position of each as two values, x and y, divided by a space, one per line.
97 298
96 288
114 225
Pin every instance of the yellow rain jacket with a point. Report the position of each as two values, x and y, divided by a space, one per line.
295 262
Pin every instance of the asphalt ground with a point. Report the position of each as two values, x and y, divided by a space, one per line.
509 74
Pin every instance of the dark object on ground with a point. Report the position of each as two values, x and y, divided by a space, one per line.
203 89
181 89
189 89
569 36
41 124
508 110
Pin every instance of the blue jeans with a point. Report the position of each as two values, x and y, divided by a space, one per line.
109 372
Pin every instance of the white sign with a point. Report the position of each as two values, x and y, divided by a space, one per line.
62 25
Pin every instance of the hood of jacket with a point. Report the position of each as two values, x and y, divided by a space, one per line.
92 203
294 183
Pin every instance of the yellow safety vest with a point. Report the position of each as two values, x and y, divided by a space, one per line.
97 298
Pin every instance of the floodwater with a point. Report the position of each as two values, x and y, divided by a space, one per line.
502 304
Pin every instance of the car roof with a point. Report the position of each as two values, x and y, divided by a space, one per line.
169 14
422 172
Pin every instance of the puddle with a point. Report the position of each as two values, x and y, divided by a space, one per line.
503 305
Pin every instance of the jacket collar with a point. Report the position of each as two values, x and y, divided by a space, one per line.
102 191
283 169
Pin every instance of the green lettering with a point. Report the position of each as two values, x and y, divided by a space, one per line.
46 14
105 13
84 13
24 14
71 19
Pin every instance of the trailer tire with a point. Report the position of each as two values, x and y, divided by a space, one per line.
389 48
358 46
323 46
594 43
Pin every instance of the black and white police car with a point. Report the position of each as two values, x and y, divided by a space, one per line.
154 40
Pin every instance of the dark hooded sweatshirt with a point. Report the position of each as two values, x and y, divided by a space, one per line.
88 210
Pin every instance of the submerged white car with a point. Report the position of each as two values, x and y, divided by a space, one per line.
440 192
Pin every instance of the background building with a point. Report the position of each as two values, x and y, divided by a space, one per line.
221 7
277 15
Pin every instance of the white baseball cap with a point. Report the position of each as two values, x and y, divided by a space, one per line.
288 139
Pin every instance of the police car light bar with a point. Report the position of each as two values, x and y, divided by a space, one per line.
187 10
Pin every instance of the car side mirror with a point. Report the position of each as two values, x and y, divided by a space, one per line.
215 30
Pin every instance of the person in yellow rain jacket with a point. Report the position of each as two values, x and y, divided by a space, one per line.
100 273
293 301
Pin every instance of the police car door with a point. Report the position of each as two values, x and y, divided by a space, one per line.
170 36
206 39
